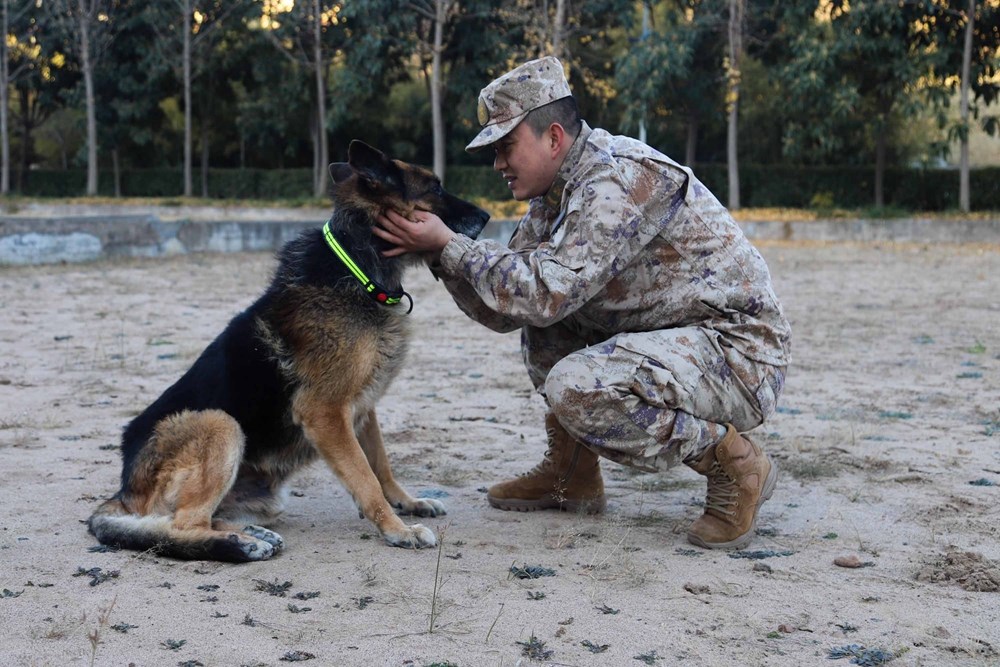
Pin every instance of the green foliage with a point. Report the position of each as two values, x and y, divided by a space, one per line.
278 183
672 67
222 183
477 182
848 76
788 186
911 189
815 90
946 34
821 201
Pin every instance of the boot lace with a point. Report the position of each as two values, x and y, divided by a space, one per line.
543 465
547 459
722 492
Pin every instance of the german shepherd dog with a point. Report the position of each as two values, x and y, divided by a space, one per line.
293 377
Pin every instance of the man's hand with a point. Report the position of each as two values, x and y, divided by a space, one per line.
425 233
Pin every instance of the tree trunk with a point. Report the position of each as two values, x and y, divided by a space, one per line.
557 29
117 171
4 102
736 8
323 154
692 140
314 135
63 153
26 146
204 158
880 143
441 8
188 185
964 198
88 82
644 37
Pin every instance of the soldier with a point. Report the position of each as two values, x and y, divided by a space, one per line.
648 321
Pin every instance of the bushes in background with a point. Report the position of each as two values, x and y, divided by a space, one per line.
760 185
913 189
222 183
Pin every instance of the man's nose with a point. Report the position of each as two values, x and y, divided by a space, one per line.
499 162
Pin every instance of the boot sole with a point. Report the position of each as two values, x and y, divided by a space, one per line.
549 502
745 538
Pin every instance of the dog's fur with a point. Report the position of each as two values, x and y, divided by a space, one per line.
294 376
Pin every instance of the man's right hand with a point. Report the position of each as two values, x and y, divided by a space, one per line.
425 233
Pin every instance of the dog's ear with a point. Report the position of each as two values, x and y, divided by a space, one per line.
340 171
375 169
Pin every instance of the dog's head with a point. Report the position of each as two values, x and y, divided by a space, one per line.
373 182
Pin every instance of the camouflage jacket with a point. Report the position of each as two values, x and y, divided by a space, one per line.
626 240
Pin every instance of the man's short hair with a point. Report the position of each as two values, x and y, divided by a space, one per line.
563 111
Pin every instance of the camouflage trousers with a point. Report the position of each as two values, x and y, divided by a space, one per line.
650 400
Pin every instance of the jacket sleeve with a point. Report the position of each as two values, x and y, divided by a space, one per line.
468 302
599 232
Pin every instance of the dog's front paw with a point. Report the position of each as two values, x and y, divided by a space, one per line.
422 507
266 535
412 537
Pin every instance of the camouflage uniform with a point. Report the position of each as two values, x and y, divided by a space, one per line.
647 318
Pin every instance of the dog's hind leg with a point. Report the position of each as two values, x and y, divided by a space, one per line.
255 498
330 429
176 483
370 437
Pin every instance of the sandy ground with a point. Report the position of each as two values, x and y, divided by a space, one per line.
888 437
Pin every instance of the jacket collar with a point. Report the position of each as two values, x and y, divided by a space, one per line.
553 198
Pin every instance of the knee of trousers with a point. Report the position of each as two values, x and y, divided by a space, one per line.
574 392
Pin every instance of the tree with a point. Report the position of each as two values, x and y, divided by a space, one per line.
18 26
964 39
733 74
271 115
42 83
851 67
438 14
188 32
879 51
310 34
970 27
133 82
672 71
595 32
61 135
461 41
85 23
820 99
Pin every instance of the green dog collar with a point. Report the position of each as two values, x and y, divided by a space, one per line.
378 293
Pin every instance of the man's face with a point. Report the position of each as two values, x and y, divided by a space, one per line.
526 161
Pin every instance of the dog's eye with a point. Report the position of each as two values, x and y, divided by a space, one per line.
438 190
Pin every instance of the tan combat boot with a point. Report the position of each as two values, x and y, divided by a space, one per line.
568 478
740 478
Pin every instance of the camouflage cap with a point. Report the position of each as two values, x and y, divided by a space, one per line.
507 100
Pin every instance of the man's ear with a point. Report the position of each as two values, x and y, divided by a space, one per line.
375 169
340 171
556 136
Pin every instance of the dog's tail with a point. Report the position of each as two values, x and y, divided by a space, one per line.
115 526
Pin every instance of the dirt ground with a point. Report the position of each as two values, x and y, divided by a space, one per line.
887 436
